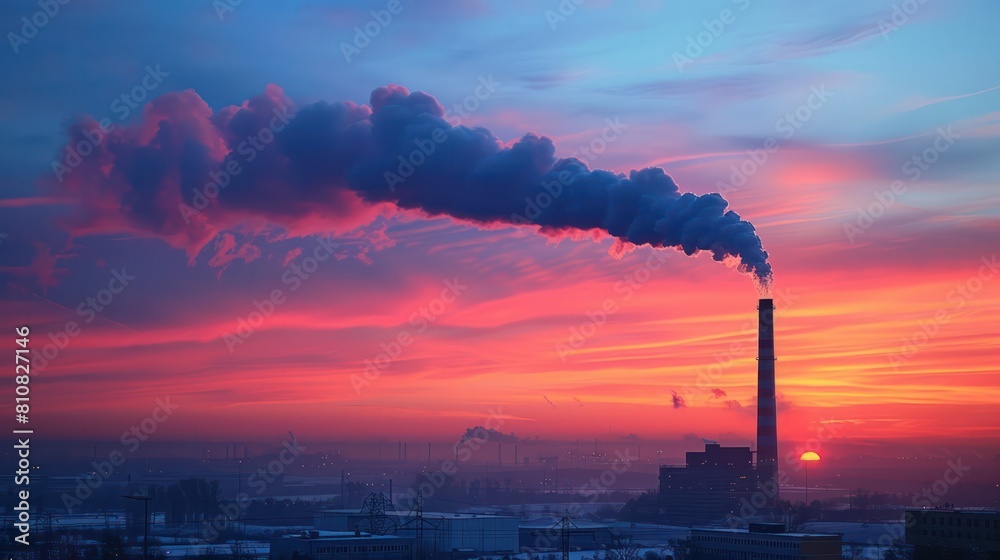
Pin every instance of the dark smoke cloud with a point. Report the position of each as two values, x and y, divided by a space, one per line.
488 434
332 164
678 400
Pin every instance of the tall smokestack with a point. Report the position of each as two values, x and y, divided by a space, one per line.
767 417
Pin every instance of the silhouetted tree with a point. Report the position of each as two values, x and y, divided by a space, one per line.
623 548
112 547
683 549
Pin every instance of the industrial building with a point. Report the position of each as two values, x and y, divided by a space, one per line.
764 541
459 535
441 535
709 486
546 535
945 534
716 483
341 545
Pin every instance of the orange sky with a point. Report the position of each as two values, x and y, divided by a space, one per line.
498 345
886 290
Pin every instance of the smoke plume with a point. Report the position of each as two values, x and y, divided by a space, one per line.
678 400
186 172
488 434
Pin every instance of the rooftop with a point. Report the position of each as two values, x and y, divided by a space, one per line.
335 535
426 514
748 533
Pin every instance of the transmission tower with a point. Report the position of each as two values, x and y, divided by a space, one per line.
373 512
418 521
564 525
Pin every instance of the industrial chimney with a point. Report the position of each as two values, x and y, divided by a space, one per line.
767 417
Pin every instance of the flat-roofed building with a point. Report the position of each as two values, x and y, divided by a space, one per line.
341 545
461 535
545 535
448 535
764 541
946 534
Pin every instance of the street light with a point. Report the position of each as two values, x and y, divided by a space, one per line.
145 521
808 457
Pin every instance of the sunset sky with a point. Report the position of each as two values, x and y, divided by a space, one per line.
864 154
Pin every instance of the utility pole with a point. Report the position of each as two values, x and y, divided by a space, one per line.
145 521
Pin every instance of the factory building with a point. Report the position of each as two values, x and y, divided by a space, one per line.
461 535
718 483
709 487
944 534
764 541
545 535
441 535
341 545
